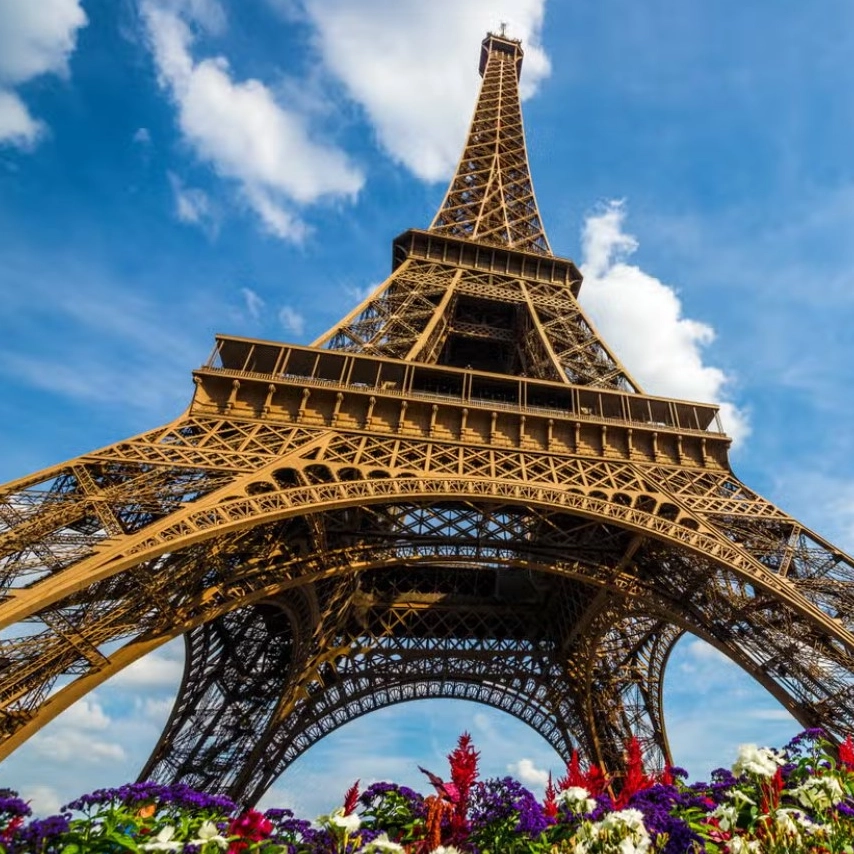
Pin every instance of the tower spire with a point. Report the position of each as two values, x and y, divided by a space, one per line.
491 197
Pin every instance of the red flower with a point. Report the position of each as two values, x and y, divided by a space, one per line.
12 828
463 761
550 803
251 825
846 753
351 798
771 791
634 780
573 777
593 779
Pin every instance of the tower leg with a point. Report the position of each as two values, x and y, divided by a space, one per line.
236 669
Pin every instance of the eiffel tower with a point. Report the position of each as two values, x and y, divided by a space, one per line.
458 491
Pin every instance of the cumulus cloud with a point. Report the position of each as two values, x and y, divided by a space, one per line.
413 66
642 319
17 126
528 773
35 39
43 800
239 127
155 670
76 736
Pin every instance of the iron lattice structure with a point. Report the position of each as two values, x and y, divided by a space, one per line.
458 491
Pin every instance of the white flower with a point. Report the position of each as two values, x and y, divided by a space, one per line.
726 815
786 821
794 822
338 821
445 849
349 823
740 798
630 819
381 843
738 845
761 761
623 831
577 799
163 841
209 832
819 793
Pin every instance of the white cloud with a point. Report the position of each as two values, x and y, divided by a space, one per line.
88 714
413 67
355 295
35 39
156 709
711 706
155 670
208 14
254 303
17 126
292 320
76 737
527 772
142 136
193 205
641 318
241 130
43 800
275 219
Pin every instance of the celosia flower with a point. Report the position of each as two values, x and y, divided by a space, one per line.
351 798
634 780
761 761
846 753
550 802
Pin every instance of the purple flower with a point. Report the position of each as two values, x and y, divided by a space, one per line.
41 835
499 801
177 795
658 803
11 805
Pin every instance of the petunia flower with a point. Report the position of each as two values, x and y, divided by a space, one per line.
380 844
577 799
819 793
339 821
163 841
761 761
209 832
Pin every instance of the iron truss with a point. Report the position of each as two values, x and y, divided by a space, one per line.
456 492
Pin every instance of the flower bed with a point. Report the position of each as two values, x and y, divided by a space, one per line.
798 799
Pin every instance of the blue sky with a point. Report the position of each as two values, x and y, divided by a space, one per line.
174 168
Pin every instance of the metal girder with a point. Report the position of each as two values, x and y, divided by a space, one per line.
458 491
